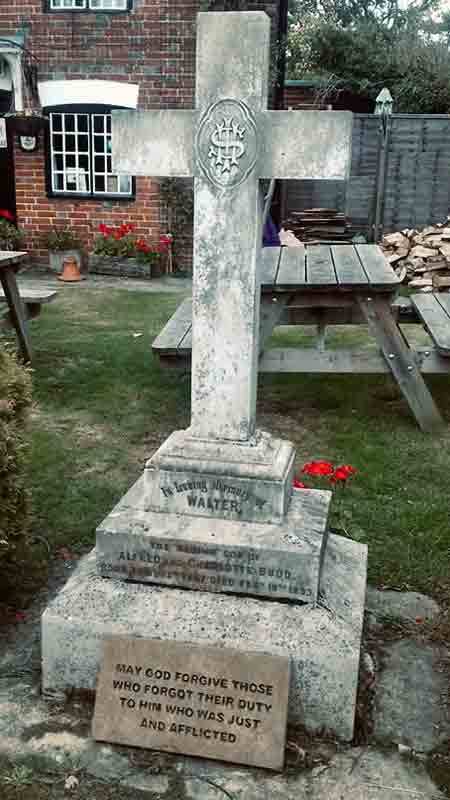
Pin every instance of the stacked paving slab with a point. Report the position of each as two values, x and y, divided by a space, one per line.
211 545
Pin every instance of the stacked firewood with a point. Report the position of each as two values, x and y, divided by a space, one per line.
421 258
319 224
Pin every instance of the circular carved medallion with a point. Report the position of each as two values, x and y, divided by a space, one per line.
226 143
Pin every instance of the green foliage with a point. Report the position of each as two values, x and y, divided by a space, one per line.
177 200
15 401
60 239
373 47
11 238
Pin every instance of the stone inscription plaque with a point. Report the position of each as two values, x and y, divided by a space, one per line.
275 573
218 497
200 701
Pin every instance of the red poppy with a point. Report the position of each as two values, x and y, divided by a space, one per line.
318 468
342 473
298 484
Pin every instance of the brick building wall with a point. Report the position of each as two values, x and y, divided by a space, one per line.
152 45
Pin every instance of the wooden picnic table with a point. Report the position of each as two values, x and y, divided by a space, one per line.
10 262
327 285
23 301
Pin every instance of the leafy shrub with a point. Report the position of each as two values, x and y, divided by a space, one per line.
11 238
60 239
15 401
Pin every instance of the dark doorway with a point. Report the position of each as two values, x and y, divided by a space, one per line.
7 182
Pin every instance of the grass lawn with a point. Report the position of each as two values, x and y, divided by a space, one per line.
102 405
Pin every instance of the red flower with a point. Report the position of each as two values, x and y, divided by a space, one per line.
6 214
142 245
298 484
342 473
105 230
318 468
19 616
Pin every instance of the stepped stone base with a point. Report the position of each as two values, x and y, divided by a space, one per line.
322 641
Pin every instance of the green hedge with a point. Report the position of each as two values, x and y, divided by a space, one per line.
15 402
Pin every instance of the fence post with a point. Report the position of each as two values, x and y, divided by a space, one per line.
383 109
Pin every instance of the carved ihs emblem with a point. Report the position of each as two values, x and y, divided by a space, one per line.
227 144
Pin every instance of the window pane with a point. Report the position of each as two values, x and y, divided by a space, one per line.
99 144
125 184
99 164
112 184
83 144
69 144
57 142
58 181
99 123
109 5
68 4
70 153
80 160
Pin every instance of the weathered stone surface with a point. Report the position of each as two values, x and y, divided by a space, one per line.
406 606
357 774
203 701
277 561
236 143
249 481
350 773
323 642
411 697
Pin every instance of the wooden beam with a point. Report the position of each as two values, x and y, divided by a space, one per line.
17 310
342 361
401 362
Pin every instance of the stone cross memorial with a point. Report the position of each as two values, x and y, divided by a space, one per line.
214 512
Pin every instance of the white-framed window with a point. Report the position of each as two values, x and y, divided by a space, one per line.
89 5
80 156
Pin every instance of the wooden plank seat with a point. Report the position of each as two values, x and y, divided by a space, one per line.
33 298
173 345
434 311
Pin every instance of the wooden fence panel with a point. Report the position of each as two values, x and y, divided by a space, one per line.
416 189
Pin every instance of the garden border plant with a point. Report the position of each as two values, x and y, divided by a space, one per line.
15 404
118 250
61 242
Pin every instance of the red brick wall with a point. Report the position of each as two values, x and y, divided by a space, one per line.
152 45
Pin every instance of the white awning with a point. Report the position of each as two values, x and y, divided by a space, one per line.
81 92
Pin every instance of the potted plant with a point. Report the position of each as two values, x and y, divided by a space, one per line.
11 238
61 243
119 251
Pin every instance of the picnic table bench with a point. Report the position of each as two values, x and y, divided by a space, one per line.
333 285
23 302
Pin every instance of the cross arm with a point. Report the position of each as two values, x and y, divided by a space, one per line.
306 144
154 143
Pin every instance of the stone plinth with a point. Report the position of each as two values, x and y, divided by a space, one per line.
249 481
322 641
215 555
